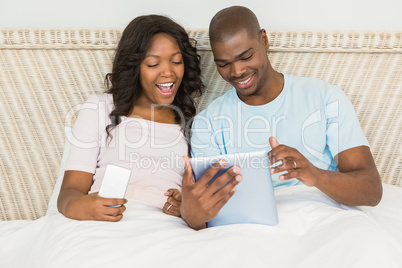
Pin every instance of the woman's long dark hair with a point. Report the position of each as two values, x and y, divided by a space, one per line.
125 76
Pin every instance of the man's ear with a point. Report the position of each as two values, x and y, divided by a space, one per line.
264 39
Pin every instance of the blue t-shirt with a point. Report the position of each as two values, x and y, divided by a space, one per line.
309 114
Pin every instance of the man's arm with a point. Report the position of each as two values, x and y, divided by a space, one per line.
357 183
202 201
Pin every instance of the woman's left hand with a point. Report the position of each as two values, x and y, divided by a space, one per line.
172 205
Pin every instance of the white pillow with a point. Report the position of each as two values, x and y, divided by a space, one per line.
52 205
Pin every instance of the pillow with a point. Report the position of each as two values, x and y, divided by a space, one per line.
52 205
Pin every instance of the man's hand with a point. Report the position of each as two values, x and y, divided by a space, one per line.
293 162
202 202
172 205
357 183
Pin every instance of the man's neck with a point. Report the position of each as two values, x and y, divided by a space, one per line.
273 87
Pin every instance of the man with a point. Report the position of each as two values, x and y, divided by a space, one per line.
309 126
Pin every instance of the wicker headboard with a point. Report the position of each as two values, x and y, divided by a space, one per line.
46 73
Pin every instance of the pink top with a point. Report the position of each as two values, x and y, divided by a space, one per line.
153 151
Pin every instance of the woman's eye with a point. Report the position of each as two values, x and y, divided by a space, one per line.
152 65
177 62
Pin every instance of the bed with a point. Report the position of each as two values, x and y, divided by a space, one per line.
46 74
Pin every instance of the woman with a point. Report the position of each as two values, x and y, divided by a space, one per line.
140 123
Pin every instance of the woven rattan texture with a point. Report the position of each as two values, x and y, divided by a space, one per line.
45 74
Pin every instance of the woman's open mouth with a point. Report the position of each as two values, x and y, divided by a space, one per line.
165 88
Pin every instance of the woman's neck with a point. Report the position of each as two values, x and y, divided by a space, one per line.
160 114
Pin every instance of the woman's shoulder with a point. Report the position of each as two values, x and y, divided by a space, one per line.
100 101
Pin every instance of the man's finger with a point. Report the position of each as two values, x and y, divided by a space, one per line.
273 142
218 206
227 190
222 180
274 155
188 172
211 172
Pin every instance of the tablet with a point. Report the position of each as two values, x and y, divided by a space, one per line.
254 200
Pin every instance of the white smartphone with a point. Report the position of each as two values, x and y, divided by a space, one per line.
115 182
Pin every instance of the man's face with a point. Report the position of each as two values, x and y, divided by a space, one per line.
242 61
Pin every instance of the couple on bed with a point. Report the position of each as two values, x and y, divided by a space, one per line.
143 123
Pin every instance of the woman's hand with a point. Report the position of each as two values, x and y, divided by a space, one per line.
172 205
94 207
74 202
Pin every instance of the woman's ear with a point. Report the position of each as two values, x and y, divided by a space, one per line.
264 39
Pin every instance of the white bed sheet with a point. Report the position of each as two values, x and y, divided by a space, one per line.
313 231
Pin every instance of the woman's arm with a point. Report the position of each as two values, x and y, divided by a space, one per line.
74 201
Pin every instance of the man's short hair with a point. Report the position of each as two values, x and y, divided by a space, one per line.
233 20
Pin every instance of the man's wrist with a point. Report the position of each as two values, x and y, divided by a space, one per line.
195 225
198 226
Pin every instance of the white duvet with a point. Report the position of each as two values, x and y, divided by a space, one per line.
313 231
